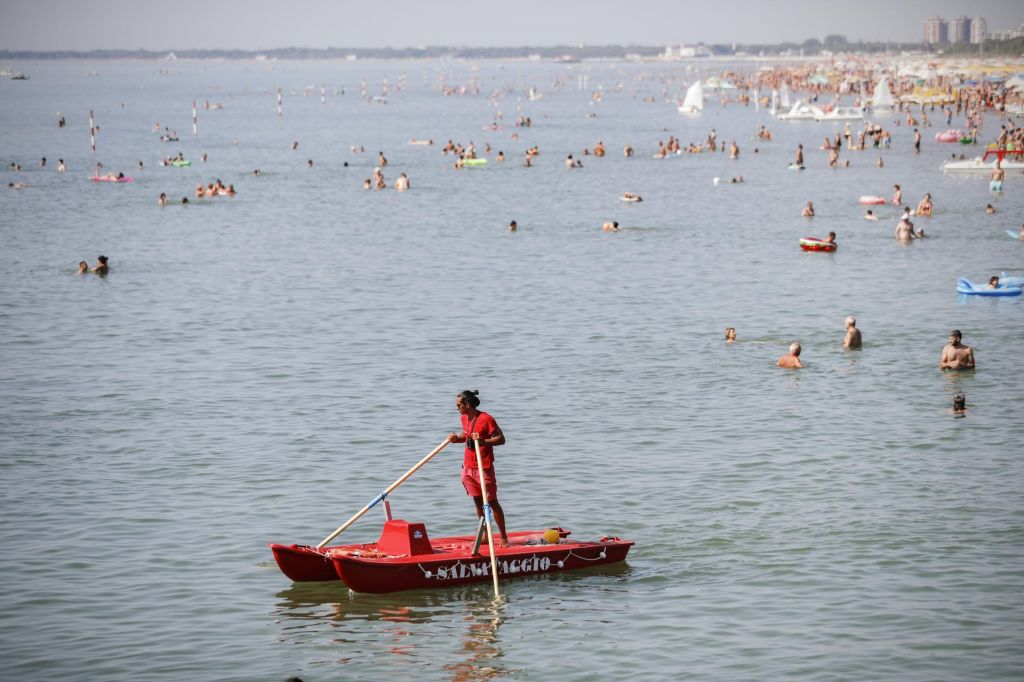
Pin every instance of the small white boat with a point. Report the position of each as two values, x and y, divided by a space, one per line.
979 165
693 103
802 112
841 114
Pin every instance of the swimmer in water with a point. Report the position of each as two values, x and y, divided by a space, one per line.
830 239
959 404
730 334
102 268
83 267
808 211
870 215
791 360
990 209
513 226
610 226
955 355
853 337
163 199
925 207
993 283
897 195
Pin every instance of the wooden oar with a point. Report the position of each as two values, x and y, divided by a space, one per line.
487 517
381 496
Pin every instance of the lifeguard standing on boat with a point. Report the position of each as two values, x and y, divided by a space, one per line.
480 426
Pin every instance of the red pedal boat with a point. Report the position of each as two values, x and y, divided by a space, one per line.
404 558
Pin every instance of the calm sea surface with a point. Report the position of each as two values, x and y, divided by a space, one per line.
255 369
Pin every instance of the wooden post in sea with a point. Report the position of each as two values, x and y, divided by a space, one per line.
92 133
279 101
195 122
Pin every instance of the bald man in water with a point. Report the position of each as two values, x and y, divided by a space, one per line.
791 360
852 339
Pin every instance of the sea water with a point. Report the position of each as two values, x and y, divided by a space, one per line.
255 369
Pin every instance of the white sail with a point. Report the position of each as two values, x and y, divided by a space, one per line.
784 96
694 101
775 101
757 99
882 99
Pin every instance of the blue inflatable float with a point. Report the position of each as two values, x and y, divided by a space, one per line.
1011 281
966 286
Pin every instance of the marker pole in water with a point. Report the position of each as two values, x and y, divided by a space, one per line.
487 517
323 96
92 133
279 101
195 121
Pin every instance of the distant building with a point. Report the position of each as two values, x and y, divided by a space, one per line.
1007 35
686 52
935 30
960 30
979 30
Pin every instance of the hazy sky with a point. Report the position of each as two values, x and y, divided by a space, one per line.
263 24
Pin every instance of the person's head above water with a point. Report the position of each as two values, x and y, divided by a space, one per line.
794 348
851 321
959 402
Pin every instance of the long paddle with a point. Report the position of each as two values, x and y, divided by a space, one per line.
487 517
385 493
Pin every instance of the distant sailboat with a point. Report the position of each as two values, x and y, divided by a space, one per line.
775 102
757 99
882 98
694 101
784 96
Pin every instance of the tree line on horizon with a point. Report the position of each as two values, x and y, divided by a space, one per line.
811 47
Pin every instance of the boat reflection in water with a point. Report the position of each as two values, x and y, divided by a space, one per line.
359 628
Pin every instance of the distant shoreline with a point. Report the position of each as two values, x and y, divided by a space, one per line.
808 50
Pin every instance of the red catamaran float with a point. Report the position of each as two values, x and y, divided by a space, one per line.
404 557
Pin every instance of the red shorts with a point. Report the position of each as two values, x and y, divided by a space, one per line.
471 482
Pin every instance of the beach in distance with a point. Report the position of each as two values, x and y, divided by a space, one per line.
304 262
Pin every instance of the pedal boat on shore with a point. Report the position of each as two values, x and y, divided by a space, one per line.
404 558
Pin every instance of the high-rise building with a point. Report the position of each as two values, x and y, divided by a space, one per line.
979 30
935 30
960 30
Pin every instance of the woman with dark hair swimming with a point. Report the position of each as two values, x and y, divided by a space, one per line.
480 426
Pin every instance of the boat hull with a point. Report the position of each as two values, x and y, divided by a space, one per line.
459 568
447 561
304 564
